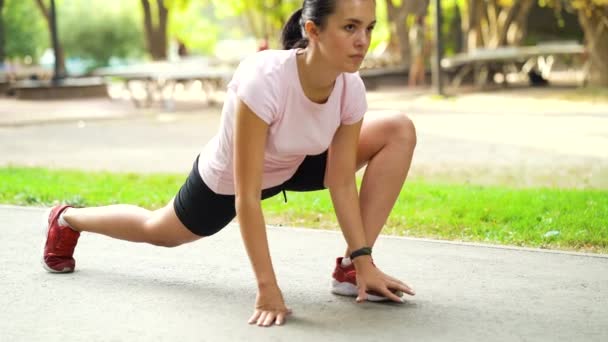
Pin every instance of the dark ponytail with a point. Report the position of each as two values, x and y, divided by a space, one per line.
292 32
316 11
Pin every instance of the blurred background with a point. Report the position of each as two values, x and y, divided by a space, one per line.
109 33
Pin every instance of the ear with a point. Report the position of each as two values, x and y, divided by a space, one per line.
312 31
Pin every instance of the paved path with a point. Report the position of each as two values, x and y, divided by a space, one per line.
205 291
506 138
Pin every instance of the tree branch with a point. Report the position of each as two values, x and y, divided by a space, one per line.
44 10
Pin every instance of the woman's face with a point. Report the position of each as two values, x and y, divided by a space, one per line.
345 39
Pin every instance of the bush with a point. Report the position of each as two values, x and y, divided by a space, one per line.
98 33
25 31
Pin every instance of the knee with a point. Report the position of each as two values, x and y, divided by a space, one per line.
403 131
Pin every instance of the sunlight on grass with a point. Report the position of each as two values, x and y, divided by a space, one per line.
539 217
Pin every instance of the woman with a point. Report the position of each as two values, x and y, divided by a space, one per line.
292 121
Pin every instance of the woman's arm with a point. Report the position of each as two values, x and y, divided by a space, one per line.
249 143
340 180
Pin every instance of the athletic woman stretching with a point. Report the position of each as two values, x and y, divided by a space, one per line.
292 120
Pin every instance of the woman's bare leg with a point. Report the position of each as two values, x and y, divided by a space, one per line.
128 222
386 146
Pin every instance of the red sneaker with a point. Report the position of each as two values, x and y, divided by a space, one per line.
59 244
344 283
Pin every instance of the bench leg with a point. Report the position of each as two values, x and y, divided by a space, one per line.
129 87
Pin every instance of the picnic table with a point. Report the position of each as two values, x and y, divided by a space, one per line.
482 62
160 79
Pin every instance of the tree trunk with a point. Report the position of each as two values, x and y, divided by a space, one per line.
471 23
595 27
492 13
2 51
518 29
487 24
399 43
161 30
505 20
402 32
156 36
392 12
148 29
59 55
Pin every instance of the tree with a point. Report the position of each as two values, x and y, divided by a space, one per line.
494 23
397 13
114 31
260 17
398 39
24 34
2 51
196 26
59 55
593 16
155 28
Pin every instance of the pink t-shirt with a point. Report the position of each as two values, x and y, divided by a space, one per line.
269 84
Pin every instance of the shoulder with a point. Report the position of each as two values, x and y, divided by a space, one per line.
354 99
259 81
353 83
262 70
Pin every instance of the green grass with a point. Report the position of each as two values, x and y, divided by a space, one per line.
546 218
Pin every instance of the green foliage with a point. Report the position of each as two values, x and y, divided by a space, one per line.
259 17
382 32
586 6
194 23
451 28
26 33
94 30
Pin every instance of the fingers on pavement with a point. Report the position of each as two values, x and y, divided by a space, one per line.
254 318
362 296
402 287
267 318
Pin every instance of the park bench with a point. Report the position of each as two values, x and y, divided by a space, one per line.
35 83
373 77
483 63
66 88
159 80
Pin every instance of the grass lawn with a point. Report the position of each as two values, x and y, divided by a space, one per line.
539 217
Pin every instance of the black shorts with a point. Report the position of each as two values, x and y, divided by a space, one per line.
205 213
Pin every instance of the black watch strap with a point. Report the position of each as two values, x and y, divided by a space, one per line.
361 251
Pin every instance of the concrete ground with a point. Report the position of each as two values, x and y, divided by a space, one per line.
205 291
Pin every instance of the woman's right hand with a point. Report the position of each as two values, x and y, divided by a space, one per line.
269 307
370 278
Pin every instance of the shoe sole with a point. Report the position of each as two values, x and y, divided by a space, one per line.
46 236
350 290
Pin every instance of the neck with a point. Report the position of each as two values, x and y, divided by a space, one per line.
316 76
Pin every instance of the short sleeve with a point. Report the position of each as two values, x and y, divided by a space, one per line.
257 84
354 100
